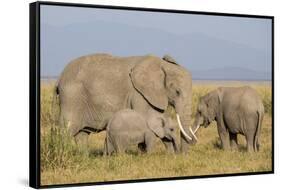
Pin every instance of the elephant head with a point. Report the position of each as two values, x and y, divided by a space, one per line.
207 109
164 128
162 82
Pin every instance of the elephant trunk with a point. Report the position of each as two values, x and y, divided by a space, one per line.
175 145
183 111
174 142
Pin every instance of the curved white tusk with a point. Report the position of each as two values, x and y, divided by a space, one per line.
193 133
181 128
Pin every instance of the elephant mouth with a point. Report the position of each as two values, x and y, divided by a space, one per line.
206 123
173 141
167 139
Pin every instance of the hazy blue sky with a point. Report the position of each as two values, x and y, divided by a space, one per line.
209 46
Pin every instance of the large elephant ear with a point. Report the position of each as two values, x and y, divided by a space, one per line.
156 124
148 78
169 59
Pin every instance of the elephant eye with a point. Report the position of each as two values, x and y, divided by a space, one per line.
178 92
172 129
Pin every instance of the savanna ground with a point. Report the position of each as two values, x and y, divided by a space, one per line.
62 163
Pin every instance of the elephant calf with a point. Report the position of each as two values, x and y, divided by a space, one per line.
236 110
128 127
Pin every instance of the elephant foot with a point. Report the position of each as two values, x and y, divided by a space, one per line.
234 146
225 145
250 149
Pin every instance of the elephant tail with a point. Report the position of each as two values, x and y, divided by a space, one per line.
256 139
55 104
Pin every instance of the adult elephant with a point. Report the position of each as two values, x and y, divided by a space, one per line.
92 88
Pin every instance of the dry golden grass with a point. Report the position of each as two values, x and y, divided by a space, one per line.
61 163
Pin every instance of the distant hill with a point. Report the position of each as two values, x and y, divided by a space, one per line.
230 73
198 52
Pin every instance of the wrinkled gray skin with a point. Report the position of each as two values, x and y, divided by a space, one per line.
237 110
92 88
128 127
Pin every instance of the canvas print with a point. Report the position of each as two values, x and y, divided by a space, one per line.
139 94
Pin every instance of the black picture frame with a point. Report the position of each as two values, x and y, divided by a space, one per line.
34 91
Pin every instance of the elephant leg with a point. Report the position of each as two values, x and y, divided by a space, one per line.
251 124
105 149
110 148
169 146
224 137
149 142
250 142
118 144
233 141
81 140
121 149
258 145
149 147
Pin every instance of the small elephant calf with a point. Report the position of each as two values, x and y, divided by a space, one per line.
237 110
128 127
